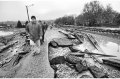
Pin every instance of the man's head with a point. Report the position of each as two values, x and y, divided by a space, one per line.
33 18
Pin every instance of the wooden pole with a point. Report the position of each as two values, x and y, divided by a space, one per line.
27 14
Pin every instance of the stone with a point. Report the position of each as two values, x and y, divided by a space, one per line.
63 42
65 71
73 59
85 76
111 71
97 72
73 49
69 36
112 61
53 44
1 44
79 37
80 67
79 47
56 52
7 47
57 60
54 67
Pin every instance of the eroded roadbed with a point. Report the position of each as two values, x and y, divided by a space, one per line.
71 60
63 55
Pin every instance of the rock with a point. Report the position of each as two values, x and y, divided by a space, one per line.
73 49
6 51
80 67
76 48
8 65
23 34
1 44
112 61
97 72
75 41
79 37
72 66
6 39
3 40
57 60
55 52
63 42
54 67
85 76
111 71
65 71
73 59
69 36
7 47
53 44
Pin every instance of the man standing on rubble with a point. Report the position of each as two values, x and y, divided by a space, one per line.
34 30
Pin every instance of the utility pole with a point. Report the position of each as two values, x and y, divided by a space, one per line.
28 12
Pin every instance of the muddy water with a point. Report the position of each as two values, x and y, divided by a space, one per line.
109 45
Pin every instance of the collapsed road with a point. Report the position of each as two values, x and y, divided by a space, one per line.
63 55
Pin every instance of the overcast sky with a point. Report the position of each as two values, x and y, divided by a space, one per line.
45 9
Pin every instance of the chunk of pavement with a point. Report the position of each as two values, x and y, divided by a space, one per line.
65 71
69 36
73 49
80 67
55 52
63 42
53 44
57 60
112 71
73 59
85 76
97 72
112 62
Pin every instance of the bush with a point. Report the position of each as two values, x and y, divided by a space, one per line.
19 25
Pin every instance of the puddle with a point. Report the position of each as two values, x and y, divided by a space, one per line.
109 45
111 48
2 33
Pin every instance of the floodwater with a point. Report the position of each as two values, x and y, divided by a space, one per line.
110 46
2 33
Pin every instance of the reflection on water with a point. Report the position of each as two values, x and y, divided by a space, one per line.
2 33
109 45
111 48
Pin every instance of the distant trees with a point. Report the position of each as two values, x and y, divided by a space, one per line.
66 20
19 25
117 19
94 14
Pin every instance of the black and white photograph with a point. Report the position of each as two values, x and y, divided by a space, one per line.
59 38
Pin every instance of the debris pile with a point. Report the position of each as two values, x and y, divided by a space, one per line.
70 62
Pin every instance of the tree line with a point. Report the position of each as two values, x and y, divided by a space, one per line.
93 14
